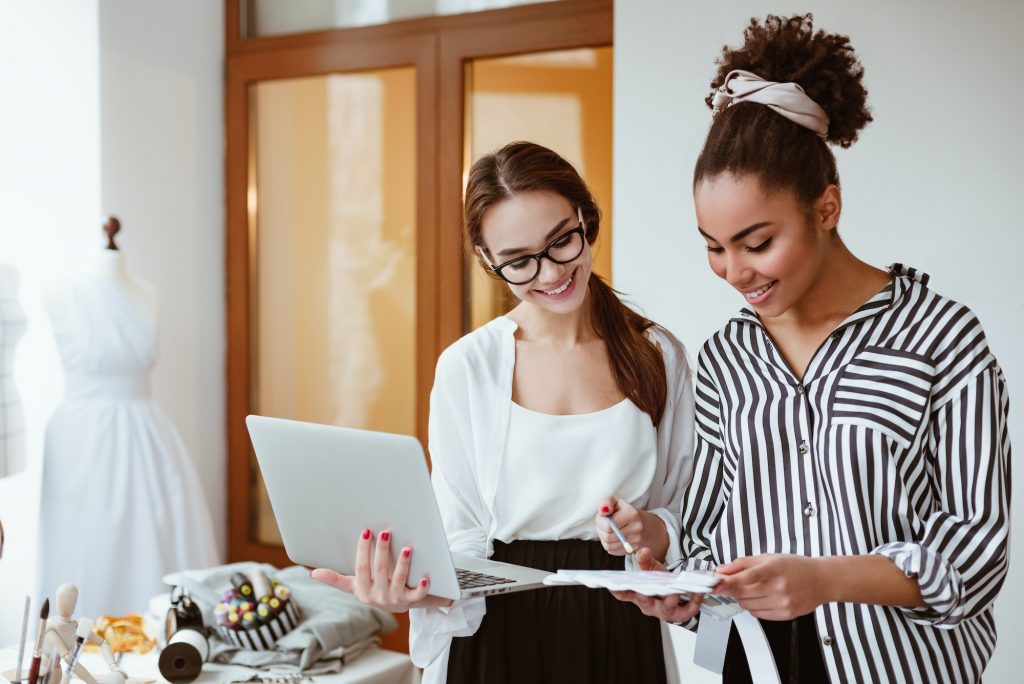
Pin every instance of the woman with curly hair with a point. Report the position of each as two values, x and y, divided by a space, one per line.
852 480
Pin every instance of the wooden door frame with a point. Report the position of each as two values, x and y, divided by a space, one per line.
439 48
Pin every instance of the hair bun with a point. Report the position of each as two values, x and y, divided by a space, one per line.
788 49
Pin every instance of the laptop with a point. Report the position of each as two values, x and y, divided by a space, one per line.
327 484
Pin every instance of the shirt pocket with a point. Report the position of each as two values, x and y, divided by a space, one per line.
885 390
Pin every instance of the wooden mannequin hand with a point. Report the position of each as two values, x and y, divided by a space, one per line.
640 528
379 584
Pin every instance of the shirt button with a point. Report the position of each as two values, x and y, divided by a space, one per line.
809 510
799 389
803 448
828 641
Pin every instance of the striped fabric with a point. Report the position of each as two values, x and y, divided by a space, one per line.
895 443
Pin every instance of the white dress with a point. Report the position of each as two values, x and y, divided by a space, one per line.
121 503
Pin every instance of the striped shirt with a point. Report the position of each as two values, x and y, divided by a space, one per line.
894 443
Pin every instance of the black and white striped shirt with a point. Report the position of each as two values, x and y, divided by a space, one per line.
894 442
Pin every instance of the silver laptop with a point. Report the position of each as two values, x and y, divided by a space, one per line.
327 484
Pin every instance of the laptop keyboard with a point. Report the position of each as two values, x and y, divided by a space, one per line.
469 579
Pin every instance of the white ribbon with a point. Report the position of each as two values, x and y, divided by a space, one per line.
787 99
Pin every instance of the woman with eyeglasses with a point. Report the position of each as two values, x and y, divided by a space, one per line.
852 474
544 422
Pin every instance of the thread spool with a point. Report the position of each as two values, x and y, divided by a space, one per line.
182 660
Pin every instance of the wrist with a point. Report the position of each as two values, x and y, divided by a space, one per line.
830 579
655 536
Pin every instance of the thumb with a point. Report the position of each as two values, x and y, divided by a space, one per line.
608 506
645 560
734 567
334 579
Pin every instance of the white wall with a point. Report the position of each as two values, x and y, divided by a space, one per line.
162 142
932 182
138 83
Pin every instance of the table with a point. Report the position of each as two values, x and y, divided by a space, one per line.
373 666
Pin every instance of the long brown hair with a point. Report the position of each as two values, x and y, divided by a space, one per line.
637 364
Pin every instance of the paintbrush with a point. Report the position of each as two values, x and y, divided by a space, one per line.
37 654
84 627
21 644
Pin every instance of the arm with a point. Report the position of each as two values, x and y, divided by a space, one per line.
457 490
960 557
955 567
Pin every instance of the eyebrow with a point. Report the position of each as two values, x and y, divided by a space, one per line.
740 235
551 234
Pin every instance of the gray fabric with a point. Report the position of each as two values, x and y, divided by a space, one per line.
333 625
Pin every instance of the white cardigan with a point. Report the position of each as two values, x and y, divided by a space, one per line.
470 406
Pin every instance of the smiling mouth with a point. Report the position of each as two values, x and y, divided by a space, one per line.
561 288
754 294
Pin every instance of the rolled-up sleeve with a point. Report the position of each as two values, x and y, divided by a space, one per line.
960 556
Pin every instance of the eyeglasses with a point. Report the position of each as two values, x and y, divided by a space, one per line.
562 250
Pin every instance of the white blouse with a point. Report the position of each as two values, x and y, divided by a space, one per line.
470 407
556 469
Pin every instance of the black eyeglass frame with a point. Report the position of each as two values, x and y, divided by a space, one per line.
543 254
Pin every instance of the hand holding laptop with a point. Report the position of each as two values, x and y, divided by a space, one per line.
379 584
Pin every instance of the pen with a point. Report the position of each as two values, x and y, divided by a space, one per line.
618 533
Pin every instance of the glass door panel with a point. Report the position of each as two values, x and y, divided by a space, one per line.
332 202
559 99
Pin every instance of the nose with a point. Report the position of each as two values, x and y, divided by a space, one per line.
550 272
737 270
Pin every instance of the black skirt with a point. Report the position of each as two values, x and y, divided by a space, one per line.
796 648
559 634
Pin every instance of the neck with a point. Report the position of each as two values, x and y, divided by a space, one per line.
844 283
108 263
564 330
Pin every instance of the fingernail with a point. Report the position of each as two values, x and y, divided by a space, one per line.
385 536
605 509
424 582
366 533
406 552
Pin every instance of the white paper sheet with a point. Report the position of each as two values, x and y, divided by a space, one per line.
646 582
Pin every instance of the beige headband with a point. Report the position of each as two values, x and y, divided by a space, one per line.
788 99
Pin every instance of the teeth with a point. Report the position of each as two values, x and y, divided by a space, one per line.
561 289
757 293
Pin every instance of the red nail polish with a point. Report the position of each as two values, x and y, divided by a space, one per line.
406 552
605 509
366 533
424 582
385 536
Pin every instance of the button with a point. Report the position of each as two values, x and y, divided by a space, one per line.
804 448
799 389
809 510
828 641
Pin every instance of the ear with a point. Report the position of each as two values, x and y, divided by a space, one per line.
827 208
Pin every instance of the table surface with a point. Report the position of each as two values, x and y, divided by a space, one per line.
373 666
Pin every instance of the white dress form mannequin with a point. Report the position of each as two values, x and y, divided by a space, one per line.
122 503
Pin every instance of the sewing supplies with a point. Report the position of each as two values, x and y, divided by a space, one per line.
181 661
255 611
